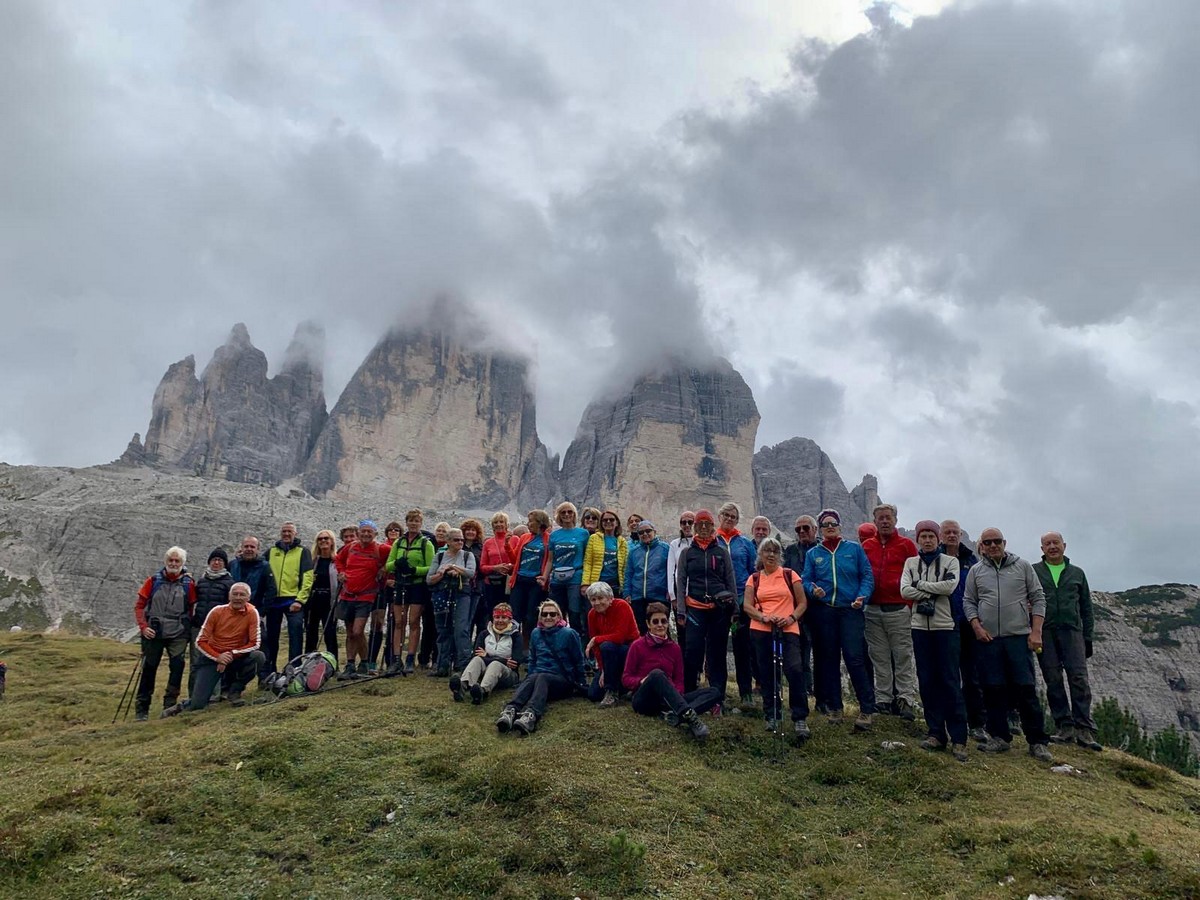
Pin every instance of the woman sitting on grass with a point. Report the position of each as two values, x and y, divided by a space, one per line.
554 672
654 675
498 653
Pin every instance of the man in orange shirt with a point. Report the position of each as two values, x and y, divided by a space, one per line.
227 652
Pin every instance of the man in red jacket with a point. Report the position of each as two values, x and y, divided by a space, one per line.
613 628
163 612
889 617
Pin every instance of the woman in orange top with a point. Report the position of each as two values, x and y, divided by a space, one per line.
775 603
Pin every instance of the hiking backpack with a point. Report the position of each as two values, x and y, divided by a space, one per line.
306 674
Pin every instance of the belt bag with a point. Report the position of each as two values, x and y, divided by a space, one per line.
562 574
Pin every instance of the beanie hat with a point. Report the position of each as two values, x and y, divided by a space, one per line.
929 525
829 514
219 554
704 515
867 530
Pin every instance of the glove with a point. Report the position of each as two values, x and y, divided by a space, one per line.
1087 649
402 566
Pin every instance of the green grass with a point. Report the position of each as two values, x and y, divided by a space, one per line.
293 800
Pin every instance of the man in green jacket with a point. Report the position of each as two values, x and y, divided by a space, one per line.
292 568
1067 636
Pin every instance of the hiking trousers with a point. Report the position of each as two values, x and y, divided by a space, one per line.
537 691
1063 650
745 663
274 624
234 679
657 695
152 653
937 656
612 659
1006 672
488 675
968 664
793 671
316 615
838 634
708 637
890 645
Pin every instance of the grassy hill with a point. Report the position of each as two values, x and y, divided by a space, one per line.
388 789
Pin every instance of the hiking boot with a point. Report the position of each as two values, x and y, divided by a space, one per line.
747 701
977 734
525 724
959 752
609 700
364 669
671 719
995 745
235 699
800 729
834 718
932 743
1041 753
347 674
1014 723
885 708
142 715
169 711
772 726
371 667
1086 738
508 715
222 697
476 694
409 665
1064 735
692 723
863 722
905 710
439 673
396 667
456 689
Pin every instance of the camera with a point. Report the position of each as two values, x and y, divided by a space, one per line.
926 607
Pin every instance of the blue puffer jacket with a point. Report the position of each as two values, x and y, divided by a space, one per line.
556 651
646 570
744 555
844 574
966 559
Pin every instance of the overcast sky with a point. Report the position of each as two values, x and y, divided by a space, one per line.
955 244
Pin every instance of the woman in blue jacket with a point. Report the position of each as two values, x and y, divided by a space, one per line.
646 572
837 578
554 672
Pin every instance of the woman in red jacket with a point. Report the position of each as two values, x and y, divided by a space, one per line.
613 629
495 565
654 675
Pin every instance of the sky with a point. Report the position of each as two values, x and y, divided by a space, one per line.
953 243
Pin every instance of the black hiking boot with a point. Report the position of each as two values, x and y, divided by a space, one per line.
692 723
456 689
476 694
235 699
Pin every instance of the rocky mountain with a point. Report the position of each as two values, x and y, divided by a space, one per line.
233 422
677 440
796 476
427 419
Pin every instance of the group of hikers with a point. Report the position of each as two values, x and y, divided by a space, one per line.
575 608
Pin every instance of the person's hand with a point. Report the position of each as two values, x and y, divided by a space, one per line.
541 580
1087 649
295 607
148 632
225 658
818 592
680 619
587 651
583 590
981 633
1035 640
858 603
220 667
481 652
391 582
600 680
341 577
511 663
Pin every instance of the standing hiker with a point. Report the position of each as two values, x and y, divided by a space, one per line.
408 563
319 594
564 568
889 617
363 563
968 668
744 556
163 612
706 590
450 579
646 572
793 558
291 567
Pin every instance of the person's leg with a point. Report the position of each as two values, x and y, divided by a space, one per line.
760 644
413 615
497 675
927 681
743 668
876 633
472 672
176 658
899 631
613 656
204 678
194 659
429 635
356 638
315 613
1024 682
1073 653
152 651
464 621
819 629
656 695
969 673
376 636
851 633
702 700
295 627
524 692
793 670
806 661
639 605
990 662
242 671
1051 664
950 685
698 621
443 619
270 642
715 644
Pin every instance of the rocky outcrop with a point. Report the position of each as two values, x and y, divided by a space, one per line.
428 420
233 422
866 494
796 476
678 440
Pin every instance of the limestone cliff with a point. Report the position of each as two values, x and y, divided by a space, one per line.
429 420
233 422
796 476
677 440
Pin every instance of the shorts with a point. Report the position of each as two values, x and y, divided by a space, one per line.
413 595
349 610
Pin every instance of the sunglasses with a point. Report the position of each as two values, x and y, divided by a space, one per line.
687 521
992 542
456 540
606 521
830 525
804 528
646 531
320 539
658 621
549 615
592 519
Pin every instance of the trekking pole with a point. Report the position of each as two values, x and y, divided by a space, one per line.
777 666
121 703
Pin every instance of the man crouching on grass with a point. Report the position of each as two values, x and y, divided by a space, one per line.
228 652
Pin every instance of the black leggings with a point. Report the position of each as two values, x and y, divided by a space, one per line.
316 615
658 695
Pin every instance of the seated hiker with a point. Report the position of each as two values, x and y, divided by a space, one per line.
228 650
554 672
654 675
498 654
163 612
613 628
775 603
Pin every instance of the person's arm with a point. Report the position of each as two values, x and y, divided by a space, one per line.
799 600
203 639
808 574
908 582
750 602
470 569
393 555
672 569
730 582
631 679
306 576
139 607
253 633
434 573
268 589
1085 610
949 582
593 559
866 587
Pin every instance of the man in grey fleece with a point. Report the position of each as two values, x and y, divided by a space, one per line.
1005 604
